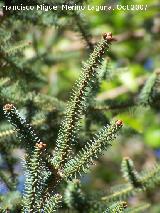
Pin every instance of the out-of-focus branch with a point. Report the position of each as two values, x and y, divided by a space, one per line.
119 90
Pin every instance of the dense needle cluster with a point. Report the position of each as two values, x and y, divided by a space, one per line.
44 170
60 140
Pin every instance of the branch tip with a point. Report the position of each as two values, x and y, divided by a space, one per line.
8 107
40 145
119 122
124 205
108 37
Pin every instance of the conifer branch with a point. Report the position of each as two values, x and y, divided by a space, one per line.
150 178
4 37
101 141
83 29
129 172
77 104
10 185
35 180
150 91
117 207
125 191
12 49
24 130
143 181
52 203
6 133
74 198
145 96
38 169
10 133
47 169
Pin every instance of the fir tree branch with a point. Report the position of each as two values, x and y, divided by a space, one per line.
22 127
148 92
150 178
143 181
35 180
125 191
52 203
9 160
74 198
6 133
129 172
91 151
9 133
10 185
77 103
83 29
52 180
12 49
118 207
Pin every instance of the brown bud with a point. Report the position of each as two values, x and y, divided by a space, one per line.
8 107
108 37
40 145
119 122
